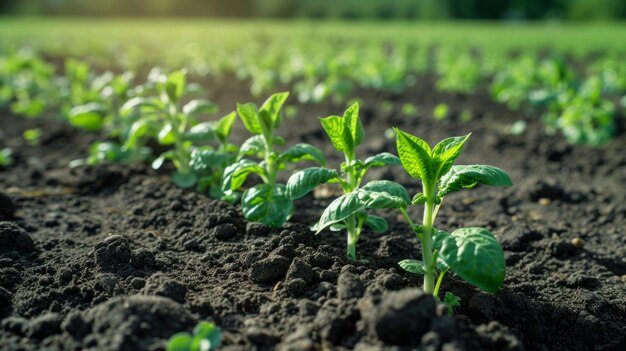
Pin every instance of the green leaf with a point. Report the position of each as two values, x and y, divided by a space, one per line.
351 117
166 135
467 176
209 331
382 159
302 151
167 155
138 103
179 342
446 152
136 132
389 187
415 156
235 175
302 182
224 126
175 85
88 117
184 180
272 107
335 127
266 204
252 146
250 117
201 132
419 199
339 209
205 159
412 266
372 199
475 255
376 223
200 106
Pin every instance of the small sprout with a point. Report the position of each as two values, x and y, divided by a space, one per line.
441 111
268 202
32 136
452 301
349 211
206 336
5 157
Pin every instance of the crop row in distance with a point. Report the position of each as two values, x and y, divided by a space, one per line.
582 103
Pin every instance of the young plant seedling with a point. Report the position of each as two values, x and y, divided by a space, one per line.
268 202
473 253
206 336
5 157
349 211
176 124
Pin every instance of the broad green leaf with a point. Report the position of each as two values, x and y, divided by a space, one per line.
250 117
205 159
88 117
351 117
376 223
302 182
235 175
412 266
210 331
446 152
335 127
387 186
272 107
415 156
200 106
467 176
339 209
252 145
303 151
266 204
184 180
372 199
138 103
180 342
382 159
475 255
224 126
166 135
136 132
175 85
201 132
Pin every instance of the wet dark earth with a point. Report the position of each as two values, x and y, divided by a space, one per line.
116 257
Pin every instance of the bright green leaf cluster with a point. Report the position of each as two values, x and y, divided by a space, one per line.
206 336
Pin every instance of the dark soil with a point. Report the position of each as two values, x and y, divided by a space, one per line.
117 258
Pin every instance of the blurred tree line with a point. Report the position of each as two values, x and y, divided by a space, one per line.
337 9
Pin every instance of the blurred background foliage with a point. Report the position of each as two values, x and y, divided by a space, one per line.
574 10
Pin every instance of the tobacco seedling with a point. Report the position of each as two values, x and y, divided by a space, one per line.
206 336
268 202
472 253
32 136
349 211
176 125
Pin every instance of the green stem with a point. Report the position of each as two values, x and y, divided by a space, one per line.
439 280
411 224
353 236
427 250
269 164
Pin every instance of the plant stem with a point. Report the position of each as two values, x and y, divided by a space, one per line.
269 164
427 251
353 236
439 280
